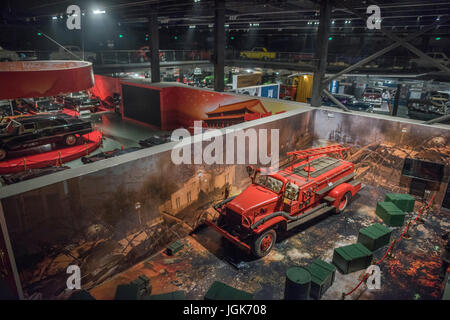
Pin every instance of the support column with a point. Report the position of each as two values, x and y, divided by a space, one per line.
219 46
396 99
154 47
321 52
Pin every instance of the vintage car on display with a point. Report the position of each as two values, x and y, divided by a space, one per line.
349 101
30 174
373 96
155 140
433 104
7 55
47 105
258 53
32 131
75 51
108 154
311 185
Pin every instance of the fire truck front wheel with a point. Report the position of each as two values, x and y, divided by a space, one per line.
264 243
343 203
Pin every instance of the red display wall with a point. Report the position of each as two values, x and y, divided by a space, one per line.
105 86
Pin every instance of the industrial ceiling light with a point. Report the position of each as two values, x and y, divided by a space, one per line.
333 22
54 18
98 11
192 27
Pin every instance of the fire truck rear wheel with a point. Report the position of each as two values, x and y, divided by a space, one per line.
343 203
264 243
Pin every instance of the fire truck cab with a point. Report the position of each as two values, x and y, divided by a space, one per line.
313 184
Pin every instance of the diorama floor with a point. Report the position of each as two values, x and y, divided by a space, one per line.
411 273
118 133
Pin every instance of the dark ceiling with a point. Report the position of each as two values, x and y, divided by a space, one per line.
240 15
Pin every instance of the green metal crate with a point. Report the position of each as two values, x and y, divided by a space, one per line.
221 291
352 258
404 202
390 214
127 292
143 284
322 277
375 236
81 295
176 295
174 247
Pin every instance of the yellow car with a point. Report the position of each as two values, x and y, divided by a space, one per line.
258 53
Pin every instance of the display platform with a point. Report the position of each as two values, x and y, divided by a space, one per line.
134 206
411 273
57 157
28 79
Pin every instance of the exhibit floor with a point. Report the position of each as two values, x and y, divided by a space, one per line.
118 133
411 273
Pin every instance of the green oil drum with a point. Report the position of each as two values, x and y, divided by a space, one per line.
298 284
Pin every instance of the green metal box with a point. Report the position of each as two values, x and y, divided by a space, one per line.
143 284
322 277
81 295
176 295
390 214
375 236
174 247
352 258
221 291
127 292
404 202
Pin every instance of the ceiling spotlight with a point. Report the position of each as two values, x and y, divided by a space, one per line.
333 22
54 18
97 11
192 27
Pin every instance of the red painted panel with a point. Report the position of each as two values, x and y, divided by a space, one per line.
28 79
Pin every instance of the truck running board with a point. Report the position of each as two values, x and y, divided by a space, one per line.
320 210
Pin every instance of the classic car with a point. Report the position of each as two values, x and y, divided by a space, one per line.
30 174
108 154
349 101
47 105
155 140
26 132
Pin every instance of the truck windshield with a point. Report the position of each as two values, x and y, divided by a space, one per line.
269 182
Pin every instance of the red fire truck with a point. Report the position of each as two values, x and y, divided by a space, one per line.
312 184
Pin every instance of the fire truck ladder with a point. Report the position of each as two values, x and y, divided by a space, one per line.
309 153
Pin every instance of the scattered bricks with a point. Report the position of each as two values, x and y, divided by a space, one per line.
404 202
175 295
174 247
127 292
352 258
81 295
375 236
390 214
143 284
322 277
298 284
221 291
